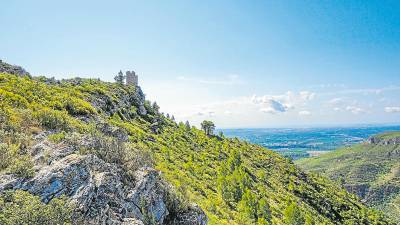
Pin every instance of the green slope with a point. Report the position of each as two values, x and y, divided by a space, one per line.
371 170
233 181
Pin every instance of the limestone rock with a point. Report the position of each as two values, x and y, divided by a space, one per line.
133 97
98 191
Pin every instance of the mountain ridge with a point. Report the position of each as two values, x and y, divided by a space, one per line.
369 170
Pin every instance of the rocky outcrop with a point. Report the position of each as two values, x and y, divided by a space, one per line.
140 98
384 141
11 69
122 102
98 191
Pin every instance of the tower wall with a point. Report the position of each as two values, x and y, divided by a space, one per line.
131 78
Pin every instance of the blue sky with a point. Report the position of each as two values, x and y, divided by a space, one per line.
238 63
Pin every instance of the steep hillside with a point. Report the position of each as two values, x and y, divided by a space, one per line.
370 170
85 146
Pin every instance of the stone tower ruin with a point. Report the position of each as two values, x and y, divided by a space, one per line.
131 78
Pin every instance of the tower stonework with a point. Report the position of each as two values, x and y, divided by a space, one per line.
131 78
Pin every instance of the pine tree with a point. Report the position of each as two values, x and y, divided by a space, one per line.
234 160
293 215
248 206
264 212
156 108
208 127
120 78
187 125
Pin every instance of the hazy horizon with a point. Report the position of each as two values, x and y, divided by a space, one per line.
355 125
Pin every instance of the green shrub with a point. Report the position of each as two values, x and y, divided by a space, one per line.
113 150
57 138
10 158
293 215
58 120
76 106
22 167
12 99
7 153
52 119
20 208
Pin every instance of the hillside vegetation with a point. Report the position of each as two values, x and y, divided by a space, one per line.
370 170
233 181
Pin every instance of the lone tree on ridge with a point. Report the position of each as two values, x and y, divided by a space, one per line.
208 127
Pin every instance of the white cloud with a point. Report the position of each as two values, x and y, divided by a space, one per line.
271 104
304 113
336 101
345 104
282 103
355 109
392 109
274 107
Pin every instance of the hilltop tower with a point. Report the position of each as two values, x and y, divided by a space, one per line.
131 78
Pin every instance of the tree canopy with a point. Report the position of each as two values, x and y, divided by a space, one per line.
208 127
119 78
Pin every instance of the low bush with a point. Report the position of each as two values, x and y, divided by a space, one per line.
57 120
21 207
129 157
76 106
22 167
53 119
58 137
7 154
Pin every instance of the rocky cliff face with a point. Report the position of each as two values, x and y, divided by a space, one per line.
98 191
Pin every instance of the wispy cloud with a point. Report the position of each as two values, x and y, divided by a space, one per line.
306 95
392 109
363 91
232 79
304 113
323 86
355 109
345 104
336 101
